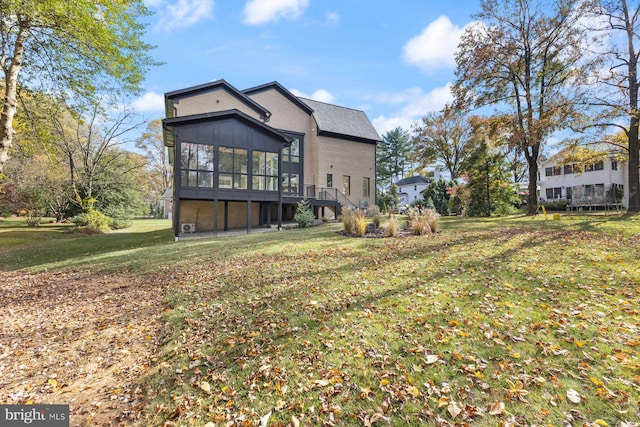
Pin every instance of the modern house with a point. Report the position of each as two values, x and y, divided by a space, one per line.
245 158
410 189
595 184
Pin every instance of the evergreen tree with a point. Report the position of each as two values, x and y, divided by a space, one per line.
392 156
491 191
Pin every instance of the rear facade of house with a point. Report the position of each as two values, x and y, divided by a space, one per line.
244 159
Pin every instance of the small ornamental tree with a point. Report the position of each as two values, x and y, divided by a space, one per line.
304 216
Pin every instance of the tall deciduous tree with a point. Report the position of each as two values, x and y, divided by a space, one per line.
69 46
617 89
392 156
152 145
524 57
445 137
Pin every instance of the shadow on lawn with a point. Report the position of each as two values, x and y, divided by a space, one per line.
291 302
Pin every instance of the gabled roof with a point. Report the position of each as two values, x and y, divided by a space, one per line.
337 121
218 84
412 180
277 86
220 115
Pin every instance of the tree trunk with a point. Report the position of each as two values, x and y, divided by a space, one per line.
634 163
532 197
10 104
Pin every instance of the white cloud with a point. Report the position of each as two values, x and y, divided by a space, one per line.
320 95
332 18
435 47
385 124
149 102
413 104
258 12
181 13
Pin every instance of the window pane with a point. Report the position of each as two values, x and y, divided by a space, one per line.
272 164
548 171
225 159
365 187
549 192
257 183
295 147
193 179
205 157
205 179
184 178
240 161
258 163
187 155
346 184
599 165
240 181
272 183
293 186
225 180
329 180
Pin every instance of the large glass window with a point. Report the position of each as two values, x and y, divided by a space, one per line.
232 168
196 165
264 171
291 183
292 153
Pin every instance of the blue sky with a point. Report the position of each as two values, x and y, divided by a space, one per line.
394 60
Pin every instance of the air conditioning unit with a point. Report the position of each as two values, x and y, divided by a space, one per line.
187 228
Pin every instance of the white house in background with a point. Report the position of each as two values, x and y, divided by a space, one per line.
599 184
410 189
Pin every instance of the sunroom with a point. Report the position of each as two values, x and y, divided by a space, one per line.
227 172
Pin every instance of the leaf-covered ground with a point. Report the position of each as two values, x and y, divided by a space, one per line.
489 323
505 326
78 338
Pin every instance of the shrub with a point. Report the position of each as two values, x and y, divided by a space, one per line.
433 219
419 225
304 216
347 220
360 222
556 205
425 221
376 220
93 219
119 224
391 227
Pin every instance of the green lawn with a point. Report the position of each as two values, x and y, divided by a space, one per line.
512 321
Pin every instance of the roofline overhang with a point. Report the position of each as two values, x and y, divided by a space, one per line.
348 137
221 115
180 93
286 93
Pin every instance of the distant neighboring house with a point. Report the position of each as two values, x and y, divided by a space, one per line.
245 158
410 189
599 184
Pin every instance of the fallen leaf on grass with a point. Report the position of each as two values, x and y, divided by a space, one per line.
454 409
264 421
205 386
496 408
574 396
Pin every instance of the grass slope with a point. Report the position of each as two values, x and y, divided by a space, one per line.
514 321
